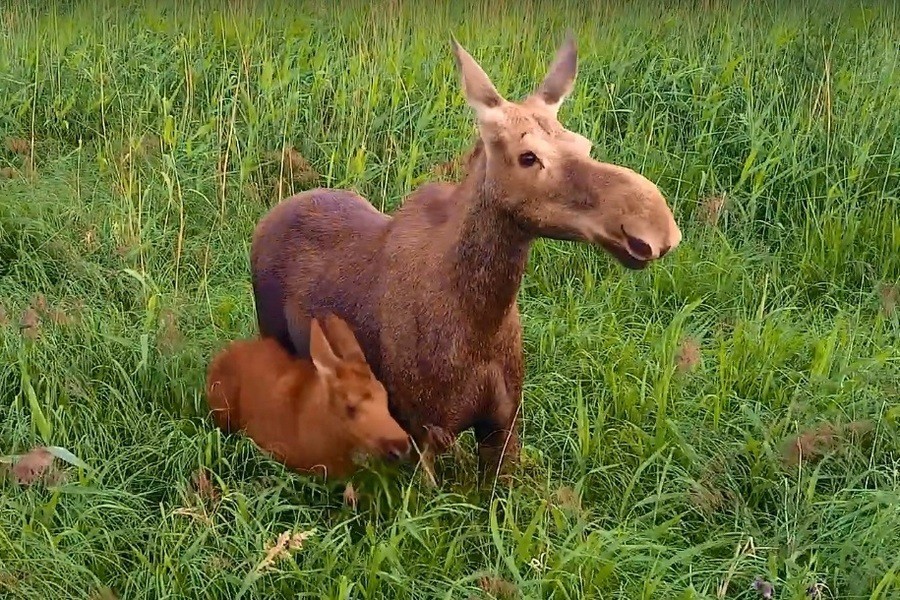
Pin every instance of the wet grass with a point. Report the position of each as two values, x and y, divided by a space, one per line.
663 409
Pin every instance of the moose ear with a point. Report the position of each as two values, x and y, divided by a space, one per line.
342 339
320 351
478 89
560 78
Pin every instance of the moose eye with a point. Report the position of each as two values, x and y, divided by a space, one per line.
527 159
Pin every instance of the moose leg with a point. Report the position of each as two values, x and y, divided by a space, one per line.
495 432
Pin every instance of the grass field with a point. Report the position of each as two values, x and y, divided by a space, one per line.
661 409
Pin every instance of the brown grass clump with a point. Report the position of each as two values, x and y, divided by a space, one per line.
296 168
104 593
281 172
890 296
169 337
810 445
28 168
201 498
706 493
706 498
23 149
710 210
19 146
90 239
39 311
203 487
36 465
30 324
688 356
498 587
568 499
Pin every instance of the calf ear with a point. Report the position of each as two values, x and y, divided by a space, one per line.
342 339
320 351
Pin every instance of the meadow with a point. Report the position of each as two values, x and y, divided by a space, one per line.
720 425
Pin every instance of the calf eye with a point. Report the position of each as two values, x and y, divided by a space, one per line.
527 159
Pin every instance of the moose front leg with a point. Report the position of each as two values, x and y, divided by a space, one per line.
496 431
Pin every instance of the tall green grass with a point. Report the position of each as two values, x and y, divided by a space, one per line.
657 403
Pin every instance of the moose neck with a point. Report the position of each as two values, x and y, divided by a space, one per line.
490 254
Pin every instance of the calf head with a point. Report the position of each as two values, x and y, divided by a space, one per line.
543 176
356 397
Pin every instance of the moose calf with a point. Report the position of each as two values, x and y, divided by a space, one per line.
314 415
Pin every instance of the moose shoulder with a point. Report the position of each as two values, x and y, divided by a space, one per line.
431 291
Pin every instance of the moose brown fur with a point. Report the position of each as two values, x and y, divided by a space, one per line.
431 291
314 415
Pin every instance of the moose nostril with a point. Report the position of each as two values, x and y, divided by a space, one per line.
639 247
664 251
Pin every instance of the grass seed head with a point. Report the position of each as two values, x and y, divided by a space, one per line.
282 547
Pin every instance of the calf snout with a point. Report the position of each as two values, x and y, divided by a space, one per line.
395 448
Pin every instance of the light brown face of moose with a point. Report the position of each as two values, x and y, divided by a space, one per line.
545 178
356 396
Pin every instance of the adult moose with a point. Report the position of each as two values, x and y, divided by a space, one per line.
431 291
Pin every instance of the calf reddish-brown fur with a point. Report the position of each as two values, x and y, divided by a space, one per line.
313 415
431 291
